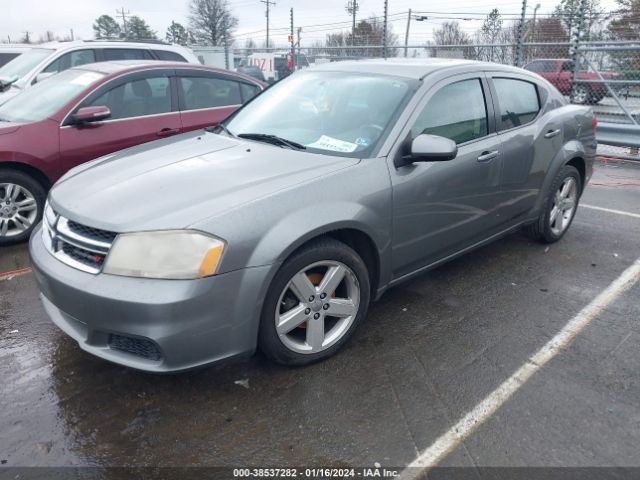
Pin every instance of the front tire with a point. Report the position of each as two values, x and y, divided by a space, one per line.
21 205
314 303
560 207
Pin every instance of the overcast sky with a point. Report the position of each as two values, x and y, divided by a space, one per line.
59 16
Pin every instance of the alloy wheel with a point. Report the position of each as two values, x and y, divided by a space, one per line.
317 307
564 204
18 209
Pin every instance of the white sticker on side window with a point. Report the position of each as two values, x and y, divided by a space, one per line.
333 144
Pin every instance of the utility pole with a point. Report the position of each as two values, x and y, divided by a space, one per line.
406 35
268 3
72 36
352 8
519 46
293 61
124 15
298 41
386 26
226 43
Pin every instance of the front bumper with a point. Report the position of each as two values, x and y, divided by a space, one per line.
152 325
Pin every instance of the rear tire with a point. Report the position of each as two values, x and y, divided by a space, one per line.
559 208
22 200
302 322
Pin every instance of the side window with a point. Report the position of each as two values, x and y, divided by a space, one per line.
457 111
519 103
567 66
169 56
71 59
126 54
248 91
137 98
209 92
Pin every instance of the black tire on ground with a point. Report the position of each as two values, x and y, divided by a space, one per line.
323 249
35 188
540 230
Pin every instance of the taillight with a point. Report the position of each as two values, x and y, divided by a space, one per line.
594 122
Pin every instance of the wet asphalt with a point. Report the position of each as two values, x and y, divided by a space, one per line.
429 351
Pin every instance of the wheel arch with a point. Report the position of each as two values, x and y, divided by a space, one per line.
572 153
30 170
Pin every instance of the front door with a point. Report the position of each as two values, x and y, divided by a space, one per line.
441 207
141 111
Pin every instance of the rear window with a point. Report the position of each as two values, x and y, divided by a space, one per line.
209 92
519 102
169 56
542 66
127 54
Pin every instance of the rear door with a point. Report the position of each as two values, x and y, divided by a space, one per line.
530 139
143 108
207 98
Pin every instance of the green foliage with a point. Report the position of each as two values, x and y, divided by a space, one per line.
176 33
137 29
106 27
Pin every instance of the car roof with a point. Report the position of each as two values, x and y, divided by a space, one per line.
414 68
109 43
115 67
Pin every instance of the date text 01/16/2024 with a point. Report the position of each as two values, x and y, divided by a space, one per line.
315 473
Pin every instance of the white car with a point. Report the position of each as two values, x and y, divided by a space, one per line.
47 59
9 51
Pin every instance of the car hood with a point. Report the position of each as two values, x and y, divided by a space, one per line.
10 92
177 182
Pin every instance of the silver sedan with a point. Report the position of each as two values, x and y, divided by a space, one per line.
276 229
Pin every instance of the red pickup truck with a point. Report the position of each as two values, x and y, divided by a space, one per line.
559 72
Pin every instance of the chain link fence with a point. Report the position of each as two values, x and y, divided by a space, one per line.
604 75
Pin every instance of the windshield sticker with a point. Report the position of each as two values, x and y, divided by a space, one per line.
86 79
365 142
333 144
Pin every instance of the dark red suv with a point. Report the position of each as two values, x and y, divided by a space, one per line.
93 110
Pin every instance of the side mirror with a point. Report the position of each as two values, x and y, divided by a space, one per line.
43 76
432 148
91 114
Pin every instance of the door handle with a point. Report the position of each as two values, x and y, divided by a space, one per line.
488 156
552 133
165 132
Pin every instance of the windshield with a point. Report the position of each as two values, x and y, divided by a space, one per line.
334 113
20 66
46 98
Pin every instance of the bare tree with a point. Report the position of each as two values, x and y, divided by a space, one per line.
451 35
211 20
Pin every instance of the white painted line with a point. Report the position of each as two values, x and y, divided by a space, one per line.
485 409
610 210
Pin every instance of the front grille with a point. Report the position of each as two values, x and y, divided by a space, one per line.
85 257
92 233
79 246
139 347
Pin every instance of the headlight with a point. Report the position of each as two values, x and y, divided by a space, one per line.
170 254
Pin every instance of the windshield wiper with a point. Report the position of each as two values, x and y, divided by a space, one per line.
274 140
217 128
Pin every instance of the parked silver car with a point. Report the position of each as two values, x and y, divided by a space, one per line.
277 228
